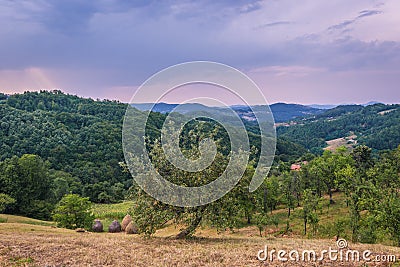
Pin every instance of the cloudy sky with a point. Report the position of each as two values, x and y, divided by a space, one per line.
308 51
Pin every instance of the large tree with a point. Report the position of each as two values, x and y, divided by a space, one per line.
224 213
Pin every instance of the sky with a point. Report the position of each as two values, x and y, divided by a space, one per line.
308 52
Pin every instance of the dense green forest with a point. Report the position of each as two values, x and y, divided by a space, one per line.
76 136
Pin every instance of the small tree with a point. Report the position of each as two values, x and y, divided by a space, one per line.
314 220
391 216
74 212
339 227
261 221
288 192
310 205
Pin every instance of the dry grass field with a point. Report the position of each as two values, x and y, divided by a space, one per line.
37 245
29 242
348 142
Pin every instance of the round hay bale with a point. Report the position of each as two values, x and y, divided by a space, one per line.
131 229
127 219
97 226
115 227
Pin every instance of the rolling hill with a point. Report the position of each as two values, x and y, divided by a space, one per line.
377 126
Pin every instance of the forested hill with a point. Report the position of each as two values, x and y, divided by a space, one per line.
80 137
377 126
81 140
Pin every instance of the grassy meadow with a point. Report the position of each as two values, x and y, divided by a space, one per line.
29 242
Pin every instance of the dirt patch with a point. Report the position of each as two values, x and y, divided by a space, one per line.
348 142
386 111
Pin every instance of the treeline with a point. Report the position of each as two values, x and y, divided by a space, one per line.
377 126
29 187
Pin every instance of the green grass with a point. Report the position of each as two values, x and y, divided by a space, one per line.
328 215
21 261
109 212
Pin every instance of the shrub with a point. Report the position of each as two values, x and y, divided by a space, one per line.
5 200
73 212
38 209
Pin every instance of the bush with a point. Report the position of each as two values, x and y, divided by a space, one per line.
74 212
5 200
368 230
38 209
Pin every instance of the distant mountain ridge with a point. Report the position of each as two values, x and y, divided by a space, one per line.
331 106
282 112
286 112
319 106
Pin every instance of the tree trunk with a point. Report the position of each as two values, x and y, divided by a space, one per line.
305 226
265 199
298 199
331 197
189 231
248 217
319 188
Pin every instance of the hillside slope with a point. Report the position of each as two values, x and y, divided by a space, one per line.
377 126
